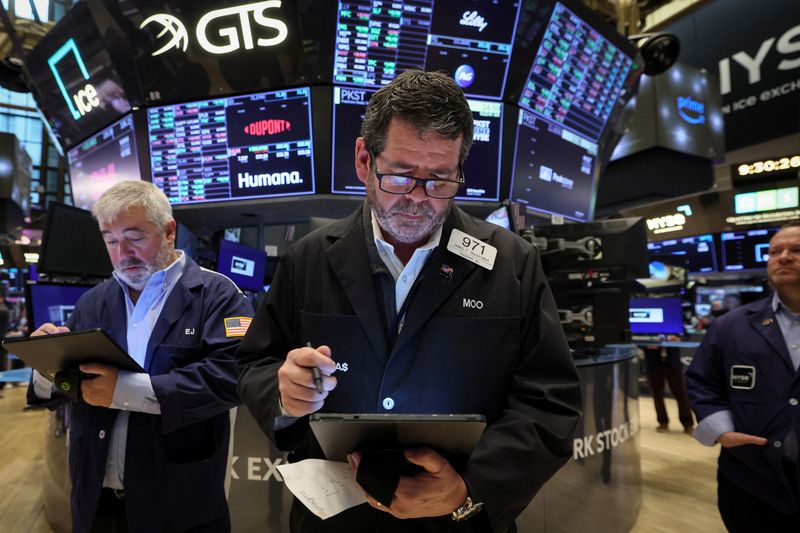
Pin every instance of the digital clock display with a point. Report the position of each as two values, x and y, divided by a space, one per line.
769 165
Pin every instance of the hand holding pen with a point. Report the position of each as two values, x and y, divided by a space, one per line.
305 379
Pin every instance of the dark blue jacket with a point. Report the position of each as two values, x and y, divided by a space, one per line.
175 462
748 342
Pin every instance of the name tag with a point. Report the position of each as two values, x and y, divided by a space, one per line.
743 377
472 249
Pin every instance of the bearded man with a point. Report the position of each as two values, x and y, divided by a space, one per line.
148 451
411 306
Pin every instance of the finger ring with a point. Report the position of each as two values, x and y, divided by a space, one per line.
379 504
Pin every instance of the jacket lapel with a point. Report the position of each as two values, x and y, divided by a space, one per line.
116 310
348 259
764 321
436 287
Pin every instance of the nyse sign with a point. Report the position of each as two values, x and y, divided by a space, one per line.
232 24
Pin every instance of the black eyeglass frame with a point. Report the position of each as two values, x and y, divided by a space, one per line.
380 175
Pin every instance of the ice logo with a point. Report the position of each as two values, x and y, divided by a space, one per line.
179 37
465 75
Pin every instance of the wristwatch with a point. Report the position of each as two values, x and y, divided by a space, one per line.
466 509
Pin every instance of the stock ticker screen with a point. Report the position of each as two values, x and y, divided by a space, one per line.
481 169
699 251
471 40
241 147
554 169
746 250
102 160
577 75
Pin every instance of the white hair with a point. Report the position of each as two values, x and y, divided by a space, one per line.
130 194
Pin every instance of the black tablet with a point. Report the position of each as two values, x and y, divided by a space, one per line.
454 436
50 353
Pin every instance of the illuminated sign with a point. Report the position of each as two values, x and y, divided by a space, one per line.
672 222
471 18
789 162
691 111
229 33
85 99
268 127
766 200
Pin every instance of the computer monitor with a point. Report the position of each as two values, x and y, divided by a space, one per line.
722 298
235 148
469 40
104 159
72 244
653 316
246 266
481 169
698 251
745 250
51 302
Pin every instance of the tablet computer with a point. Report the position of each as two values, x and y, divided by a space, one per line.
454 436
60 351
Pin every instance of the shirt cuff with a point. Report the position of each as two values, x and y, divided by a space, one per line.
42 387
134 392
711 427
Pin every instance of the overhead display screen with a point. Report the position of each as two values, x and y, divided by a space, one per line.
746 250
653 316
554 169
471 40
241 147
577 75
698 251
102 160
481 169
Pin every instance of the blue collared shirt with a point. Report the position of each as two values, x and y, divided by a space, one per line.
134 391
711 427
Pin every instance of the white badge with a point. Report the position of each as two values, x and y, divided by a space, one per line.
471 249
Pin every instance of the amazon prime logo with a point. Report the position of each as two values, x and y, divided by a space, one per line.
178 37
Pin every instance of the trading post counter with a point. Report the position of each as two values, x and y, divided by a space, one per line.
599 489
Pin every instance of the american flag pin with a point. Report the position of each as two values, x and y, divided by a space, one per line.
766 322
446 272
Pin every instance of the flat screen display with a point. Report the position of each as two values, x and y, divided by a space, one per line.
698 251
72 244
471 40
481 169
52 303
104 159
577 75
555 170
240 147
653 316
746 250
246 266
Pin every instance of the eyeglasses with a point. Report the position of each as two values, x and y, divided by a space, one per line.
394 183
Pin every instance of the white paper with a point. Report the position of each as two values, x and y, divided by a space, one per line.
326 487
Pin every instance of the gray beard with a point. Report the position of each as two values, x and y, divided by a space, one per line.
401 230
138 281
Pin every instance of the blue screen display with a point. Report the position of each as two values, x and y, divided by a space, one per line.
651 316
246 266
52 303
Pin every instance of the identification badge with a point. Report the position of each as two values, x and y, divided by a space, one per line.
743 377
472 249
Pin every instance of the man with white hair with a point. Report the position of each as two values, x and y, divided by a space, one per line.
148 451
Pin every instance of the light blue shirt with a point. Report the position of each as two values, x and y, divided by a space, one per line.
711 427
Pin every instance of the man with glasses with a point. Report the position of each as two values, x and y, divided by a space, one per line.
409 305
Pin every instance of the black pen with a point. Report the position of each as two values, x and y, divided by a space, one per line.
316 376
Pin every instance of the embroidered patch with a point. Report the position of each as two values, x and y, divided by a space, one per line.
743 377
236 326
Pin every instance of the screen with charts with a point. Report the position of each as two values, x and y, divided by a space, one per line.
239 147
554 170
746 250
698 251
653 316
577 75
102 160
471 40
481 169
246 266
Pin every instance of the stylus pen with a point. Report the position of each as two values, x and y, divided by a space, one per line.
317 376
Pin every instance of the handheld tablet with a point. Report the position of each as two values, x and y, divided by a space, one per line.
452 435
63 351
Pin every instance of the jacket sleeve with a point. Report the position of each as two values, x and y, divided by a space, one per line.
205 387
263 350
532 438
705 377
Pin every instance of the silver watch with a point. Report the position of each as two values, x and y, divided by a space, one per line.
466 509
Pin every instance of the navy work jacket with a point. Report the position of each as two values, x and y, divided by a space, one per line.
743 366
474 340
175 462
